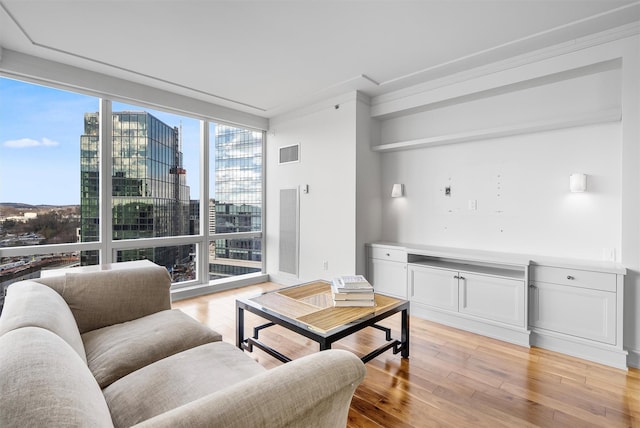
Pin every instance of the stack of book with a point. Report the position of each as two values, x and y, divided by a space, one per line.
352 290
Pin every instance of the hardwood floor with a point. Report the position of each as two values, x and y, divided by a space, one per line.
452 378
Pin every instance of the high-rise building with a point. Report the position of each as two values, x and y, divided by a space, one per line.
150 197
238 203
212 216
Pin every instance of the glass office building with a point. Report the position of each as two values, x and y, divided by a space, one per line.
238 203
150 197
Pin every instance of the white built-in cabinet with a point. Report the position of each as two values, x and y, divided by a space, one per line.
570 306
578 311
488 298
387 270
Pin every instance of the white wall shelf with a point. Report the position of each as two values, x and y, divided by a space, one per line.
582 119
487 270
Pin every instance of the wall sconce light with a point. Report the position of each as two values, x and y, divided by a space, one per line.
578 182
397 191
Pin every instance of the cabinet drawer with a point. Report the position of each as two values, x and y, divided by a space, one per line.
392 254
575 277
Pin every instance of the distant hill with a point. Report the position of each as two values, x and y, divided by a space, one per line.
23 206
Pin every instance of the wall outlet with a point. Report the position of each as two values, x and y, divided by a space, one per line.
473 204
325 265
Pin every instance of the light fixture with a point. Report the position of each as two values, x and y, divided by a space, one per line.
397 191
578 182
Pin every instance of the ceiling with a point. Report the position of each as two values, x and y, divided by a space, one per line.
267 57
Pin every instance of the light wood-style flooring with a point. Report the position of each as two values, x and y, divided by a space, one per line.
452 378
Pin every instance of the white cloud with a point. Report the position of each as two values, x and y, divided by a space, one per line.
29 142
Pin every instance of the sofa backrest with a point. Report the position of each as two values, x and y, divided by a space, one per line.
31 304
43 383
103 298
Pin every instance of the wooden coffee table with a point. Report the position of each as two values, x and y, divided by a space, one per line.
308 310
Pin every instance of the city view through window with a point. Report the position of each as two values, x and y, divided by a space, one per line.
50 192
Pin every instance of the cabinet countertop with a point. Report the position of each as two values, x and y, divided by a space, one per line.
477 255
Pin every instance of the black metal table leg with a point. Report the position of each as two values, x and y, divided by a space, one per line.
404 334
239 326
256 330
324 345
386 330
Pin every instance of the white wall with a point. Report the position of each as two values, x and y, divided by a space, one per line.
328 165
631 194
511 193
521 187
368 216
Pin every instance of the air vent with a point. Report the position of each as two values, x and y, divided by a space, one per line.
289 154
289 231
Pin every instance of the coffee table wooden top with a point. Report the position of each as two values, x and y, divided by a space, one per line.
312 305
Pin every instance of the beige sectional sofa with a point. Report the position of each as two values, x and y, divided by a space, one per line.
104 349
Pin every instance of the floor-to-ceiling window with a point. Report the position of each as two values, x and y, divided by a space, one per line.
187 199
235 204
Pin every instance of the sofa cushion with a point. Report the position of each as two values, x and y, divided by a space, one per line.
117 350
30 304
177 380
100 299
43 383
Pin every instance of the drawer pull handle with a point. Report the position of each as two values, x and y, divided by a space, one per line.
569 277
388 255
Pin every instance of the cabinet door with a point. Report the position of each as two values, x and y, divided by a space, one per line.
434 287
388 277
580 312
497 299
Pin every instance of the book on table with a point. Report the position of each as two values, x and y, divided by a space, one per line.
355 295
351 283
352 290
353 303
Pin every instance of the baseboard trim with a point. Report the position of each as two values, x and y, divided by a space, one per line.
506 334
633 359
598 353
285 279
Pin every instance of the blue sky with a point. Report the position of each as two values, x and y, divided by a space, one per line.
40 132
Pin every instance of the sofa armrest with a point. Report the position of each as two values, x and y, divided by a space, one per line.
313 391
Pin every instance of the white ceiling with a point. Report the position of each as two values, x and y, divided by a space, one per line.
266 57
